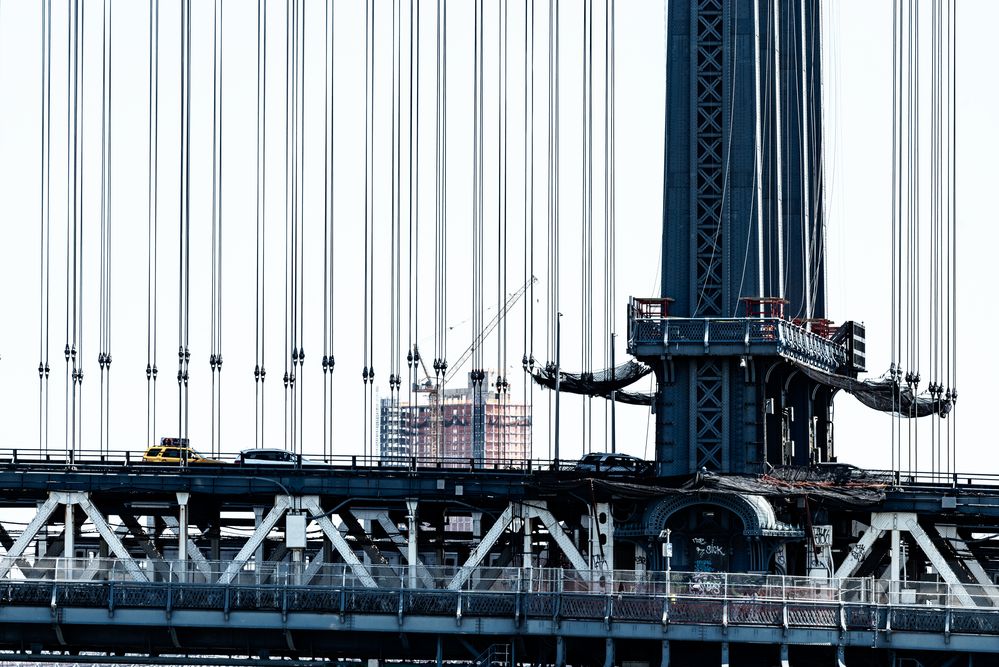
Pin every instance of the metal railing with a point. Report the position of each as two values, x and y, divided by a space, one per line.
696 598
792 340
694 585
227 461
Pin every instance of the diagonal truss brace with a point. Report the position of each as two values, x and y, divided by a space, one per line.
949 533
281 504
30 531
110 537
311 503
540 511
858 554
483 547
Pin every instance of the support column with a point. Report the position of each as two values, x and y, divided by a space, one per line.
182 533
412 543
784 662
609 653
840 656
258 517
440 651
896 555
724 654
665 658
528 557
601 538
560 651
69 538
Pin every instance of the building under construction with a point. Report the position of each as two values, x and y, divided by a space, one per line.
475 422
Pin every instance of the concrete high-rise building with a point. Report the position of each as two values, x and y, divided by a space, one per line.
471 423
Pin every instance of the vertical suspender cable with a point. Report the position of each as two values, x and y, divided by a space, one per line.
152 189
327 361
288 204
531 360
259 368
368 372
610 222
214 358
896 250
45 229
184 256
395 170
104 307
74 312
298 232
440 233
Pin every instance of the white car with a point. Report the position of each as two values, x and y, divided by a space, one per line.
273 457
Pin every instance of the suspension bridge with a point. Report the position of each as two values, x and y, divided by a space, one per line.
449 520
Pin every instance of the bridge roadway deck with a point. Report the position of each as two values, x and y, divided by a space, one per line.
24 481
326 619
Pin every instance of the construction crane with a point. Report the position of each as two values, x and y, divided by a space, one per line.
434 389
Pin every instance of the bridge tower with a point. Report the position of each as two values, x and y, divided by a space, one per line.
742 299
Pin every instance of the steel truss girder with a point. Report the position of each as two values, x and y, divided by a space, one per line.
536 510
70 499
311 504
895 523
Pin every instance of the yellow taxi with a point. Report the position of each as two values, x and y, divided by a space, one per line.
173 451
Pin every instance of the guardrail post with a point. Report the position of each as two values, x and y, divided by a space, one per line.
842 606
169 598
783 599
111 598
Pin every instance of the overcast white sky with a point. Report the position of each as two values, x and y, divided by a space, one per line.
858 79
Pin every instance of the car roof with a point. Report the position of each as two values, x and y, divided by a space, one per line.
272 450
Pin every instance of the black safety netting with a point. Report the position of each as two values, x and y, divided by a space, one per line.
600 383
885 394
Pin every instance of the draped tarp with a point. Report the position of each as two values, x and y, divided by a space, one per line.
600 383
885 394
